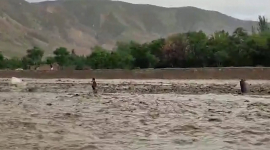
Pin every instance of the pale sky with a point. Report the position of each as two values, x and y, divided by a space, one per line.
242 9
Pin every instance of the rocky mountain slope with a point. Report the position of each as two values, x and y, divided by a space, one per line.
82 24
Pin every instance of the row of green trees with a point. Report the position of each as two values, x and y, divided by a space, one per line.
192 49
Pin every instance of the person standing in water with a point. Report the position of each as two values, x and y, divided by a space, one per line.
243 86
94 85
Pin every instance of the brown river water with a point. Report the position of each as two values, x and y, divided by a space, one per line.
64 114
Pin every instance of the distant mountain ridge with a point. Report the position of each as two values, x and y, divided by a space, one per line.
82 24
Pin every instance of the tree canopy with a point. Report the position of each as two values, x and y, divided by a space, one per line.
191 49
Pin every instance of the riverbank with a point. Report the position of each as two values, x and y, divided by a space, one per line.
254 73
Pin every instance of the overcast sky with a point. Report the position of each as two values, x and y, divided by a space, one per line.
243 9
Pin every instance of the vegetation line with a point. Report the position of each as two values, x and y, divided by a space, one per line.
187 50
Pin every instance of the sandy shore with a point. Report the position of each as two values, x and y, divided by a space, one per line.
60 114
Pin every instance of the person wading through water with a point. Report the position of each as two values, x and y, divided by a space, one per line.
94 85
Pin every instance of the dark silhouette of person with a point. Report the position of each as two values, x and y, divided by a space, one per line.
243 86
51 66
94 85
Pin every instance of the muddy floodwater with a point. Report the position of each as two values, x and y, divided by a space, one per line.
63 114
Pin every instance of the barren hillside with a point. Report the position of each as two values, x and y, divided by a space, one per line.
82 24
